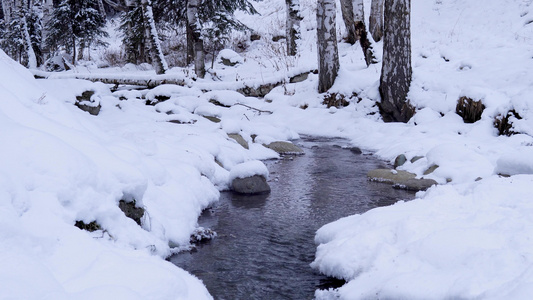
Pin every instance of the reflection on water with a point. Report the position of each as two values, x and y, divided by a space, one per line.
265 243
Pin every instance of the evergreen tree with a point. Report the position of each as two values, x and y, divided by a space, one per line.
75 22
132 30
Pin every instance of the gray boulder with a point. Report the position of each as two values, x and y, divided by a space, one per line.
252 185
400 179
239 139
285 148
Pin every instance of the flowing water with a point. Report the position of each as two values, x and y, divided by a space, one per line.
265 243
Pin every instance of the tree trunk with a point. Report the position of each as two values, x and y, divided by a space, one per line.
293 26
361 33
101 9
328 55
396 71
158 59
348 18
8 7
196 37
376 20
48 7
190 43
28 47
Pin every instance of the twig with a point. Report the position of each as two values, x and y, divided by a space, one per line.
247 106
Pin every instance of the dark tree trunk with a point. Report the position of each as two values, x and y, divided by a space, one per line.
293 26
348 18
354 20
196 36
376 20
396 71
190 44
328 55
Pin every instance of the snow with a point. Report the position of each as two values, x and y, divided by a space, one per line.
248 169
467 238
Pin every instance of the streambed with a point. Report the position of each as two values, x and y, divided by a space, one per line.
265 243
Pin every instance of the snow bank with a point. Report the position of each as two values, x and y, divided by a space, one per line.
59 166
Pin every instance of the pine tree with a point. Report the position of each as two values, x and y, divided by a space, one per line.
132 29
74 22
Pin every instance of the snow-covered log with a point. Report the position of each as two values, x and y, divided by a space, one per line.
328 55
396 72
149 81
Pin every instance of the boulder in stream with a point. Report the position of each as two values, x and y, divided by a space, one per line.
400 179
285 148
252 185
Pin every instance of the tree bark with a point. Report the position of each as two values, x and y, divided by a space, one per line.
8 7
396 72
101 9
48 7
361 34
328 55
196 37
376 20
347 11
158 59
293 26
23 12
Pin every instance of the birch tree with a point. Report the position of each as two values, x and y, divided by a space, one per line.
354 20
292 25
328 55
376 20
158 59
30 53
196 37
396 71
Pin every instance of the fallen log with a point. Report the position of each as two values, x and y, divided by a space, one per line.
149 81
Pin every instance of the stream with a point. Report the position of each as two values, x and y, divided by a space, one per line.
265 243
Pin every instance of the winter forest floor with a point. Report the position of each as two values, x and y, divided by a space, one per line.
470 237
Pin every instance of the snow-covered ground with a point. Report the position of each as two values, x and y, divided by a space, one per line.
470 237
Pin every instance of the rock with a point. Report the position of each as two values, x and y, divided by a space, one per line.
202 235
252 185
299 77
258 92
415 184
229 57
399 161
356 150
400 179
212 119
390 176
278 38
431 169
255 37
239 139
285 148
85 103
93 226
418 157
131 211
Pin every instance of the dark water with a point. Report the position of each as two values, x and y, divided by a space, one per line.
265 243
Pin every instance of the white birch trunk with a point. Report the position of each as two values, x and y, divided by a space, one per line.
396 71
158 59
293 26
23 12
328 55
376 20
196 37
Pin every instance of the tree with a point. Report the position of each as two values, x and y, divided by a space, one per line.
292 25
328 55
196 37
354 19
74 22
396 71
133 40
158 59
376 20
